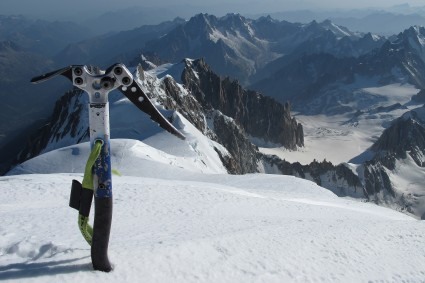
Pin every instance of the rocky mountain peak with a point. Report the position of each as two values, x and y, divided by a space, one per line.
405 136
372 37
234 21
414 31
267 18
246 107
200 24
419 97
338 31
411 40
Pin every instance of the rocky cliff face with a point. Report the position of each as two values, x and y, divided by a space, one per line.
226 112
419 97
243 153
67 125
399 152
260 116
404 136
337 178
211 122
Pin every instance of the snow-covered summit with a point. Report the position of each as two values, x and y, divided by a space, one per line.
338 31
174 224
156 154
410 41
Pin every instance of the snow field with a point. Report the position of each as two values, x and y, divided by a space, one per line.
208 228
340 138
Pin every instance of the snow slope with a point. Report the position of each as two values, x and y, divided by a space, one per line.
172 223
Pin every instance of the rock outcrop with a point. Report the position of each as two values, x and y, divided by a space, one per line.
339 179
400 148
260 116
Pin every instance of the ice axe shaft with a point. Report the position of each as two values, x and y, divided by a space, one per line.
98 84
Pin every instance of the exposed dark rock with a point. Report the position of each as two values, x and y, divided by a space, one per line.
64 122
258 115
234 140
419 97
185 104
377 179
224 130
403 136
339 179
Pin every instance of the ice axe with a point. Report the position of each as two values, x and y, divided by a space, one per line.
98 178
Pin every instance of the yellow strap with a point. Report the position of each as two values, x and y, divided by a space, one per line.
85 228
88 172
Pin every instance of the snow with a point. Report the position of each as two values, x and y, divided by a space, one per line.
195 154
408 178
343 137
179 218
207 228
245 47
336 29
174 70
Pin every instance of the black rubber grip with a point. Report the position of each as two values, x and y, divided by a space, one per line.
75 197
101 231
85 202
80 198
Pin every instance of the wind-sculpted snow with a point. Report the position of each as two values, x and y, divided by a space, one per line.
132 157
207 228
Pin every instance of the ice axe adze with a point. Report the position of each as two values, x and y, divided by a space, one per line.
97 178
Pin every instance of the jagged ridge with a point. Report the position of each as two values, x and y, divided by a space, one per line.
260 116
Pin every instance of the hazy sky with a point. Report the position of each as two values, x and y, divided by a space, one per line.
87 7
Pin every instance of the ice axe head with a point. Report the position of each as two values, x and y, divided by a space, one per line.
98 84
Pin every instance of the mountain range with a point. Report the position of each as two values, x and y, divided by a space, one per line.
264 87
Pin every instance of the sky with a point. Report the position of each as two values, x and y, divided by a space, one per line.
84 8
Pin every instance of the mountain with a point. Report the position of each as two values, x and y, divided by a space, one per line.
39 36
395 164
112 47
198 102
242 39
339 93
16 67
351 109
246 107
26 50
223 120
312 79
322 38
225 129
239 47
